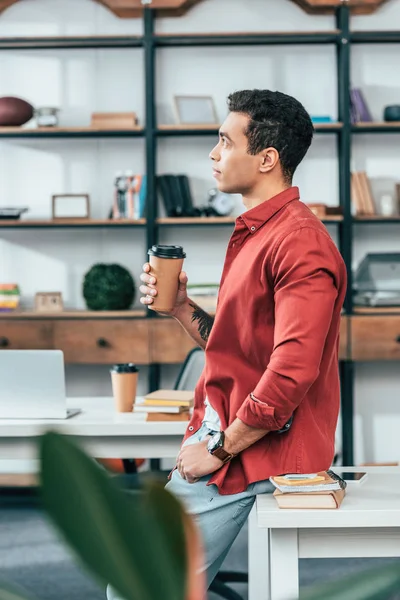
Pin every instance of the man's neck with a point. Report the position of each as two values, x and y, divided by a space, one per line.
257 197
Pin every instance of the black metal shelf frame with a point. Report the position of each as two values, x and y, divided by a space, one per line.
72 133
342 38
70 42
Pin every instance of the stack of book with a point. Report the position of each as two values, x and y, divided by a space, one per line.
166 405
9 297
325 489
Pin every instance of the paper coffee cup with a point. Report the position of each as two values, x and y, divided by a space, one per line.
124 384
165 265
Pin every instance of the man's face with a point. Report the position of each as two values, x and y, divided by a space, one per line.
235 171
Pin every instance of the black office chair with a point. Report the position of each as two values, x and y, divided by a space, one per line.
187 380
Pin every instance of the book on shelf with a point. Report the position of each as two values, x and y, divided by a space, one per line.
175 194
315 500
359 110
130 192
361 194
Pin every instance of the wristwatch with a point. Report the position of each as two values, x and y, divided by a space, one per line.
215 447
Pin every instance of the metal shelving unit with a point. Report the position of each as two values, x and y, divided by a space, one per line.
341 38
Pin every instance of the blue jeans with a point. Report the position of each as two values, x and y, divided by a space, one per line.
219 518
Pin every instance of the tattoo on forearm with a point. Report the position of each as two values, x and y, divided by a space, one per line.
205 321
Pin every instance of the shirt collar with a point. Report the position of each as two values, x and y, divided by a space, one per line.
255 217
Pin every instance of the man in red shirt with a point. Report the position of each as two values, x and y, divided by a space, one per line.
267 402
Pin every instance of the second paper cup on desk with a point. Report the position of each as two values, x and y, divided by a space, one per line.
124 379
165 263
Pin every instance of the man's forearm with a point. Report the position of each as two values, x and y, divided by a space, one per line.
239 436
196 322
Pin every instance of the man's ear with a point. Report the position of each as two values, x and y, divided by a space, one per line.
269 158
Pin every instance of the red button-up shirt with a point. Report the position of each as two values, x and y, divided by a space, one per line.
276 335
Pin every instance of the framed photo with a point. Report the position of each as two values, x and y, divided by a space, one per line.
70 206
196 110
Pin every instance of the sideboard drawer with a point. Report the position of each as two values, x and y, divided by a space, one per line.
102 341
375 338
25 335
169 342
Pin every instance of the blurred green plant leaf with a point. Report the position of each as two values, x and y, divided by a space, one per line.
375 584
13 592
116 533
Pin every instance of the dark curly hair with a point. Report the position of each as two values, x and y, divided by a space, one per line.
276 121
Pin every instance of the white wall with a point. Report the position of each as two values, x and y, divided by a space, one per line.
80 82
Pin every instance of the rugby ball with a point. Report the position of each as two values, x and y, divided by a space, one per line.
15 111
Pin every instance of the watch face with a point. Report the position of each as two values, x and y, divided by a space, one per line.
215 442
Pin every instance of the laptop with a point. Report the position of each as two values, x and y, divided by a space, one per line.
32 385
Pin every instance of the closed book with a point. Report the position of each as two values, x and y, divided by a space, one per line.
169 398
326 481
158 408
165 193
314 500
183 182
168 417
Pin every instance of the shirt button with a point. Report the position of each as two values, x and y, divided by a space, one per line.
253 228
191 428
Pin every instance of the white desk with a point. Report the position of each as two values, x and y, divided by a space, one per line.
98 430
366 525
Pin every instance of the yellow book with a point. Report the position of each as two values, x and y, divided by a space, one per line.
169 398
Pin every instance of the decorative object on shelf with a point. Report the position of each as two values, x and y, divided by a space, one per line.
361 194
387 205
9 297
359 111
392 113
14 111
70 206
219 204
12 212
196 110
108 287
377 280
321 7
323 210
46 116
49 302
6 3
129 196
130 9
127 120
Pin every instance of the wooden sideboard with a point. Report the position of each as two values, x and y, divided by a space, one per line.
104 338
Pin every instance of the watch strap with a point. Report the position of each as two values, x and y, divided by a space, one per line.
222 455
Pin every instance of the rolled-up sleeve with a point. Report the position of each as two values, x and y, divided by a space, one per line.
305 274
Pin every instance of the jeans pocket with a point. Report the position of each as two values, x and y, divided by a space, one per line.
242 510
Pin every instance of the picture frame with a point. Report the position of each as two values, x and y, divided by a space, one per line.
70 206
49 302
196 110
